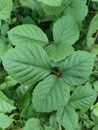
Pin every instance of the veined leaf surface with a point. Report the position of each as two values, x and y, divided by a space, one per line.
27 64
77 67
50 94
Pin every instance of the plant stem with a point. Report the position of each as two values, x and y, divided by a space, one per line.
57 73
89 2
60 127
38 115
94 41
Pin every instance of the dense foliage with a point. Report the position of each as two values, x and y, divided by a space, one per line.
48 64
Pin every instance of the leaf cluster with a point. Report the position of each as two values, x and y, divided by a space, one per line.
48 64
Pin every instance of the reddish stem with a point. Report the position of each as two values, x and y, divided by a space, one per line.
57 73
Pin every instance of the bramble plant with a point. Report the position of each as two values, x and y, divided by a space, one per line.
48 64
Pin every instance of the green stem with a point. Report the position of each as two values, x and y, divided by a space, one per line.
60 127
89 2
94 41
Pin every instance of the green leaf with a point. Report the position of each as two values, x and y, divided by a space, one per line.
88 123
5 104
33 124
5 9
83 97
95 50
25 34
95 0
29 3
92 29
22 95
49 128
4 29
9 82
95 109
28 112
95 127
67 117
77 68
59 52
50 94
32 4
5 121
52 10
65 30
2 75
77 9
28 65
3 48
95 84
53 122
52 2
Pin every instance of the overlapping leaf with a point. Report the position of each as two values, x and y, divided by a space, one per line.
52 10
59 52
65 30
33 124
95 84
5 104
95 0
32 4
68 118
29 3
2 75
5 9
5 121
77 9
52 2
83 97
50 94
92 29
3 46
22 95
27 64
25 34
49 128
77 68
